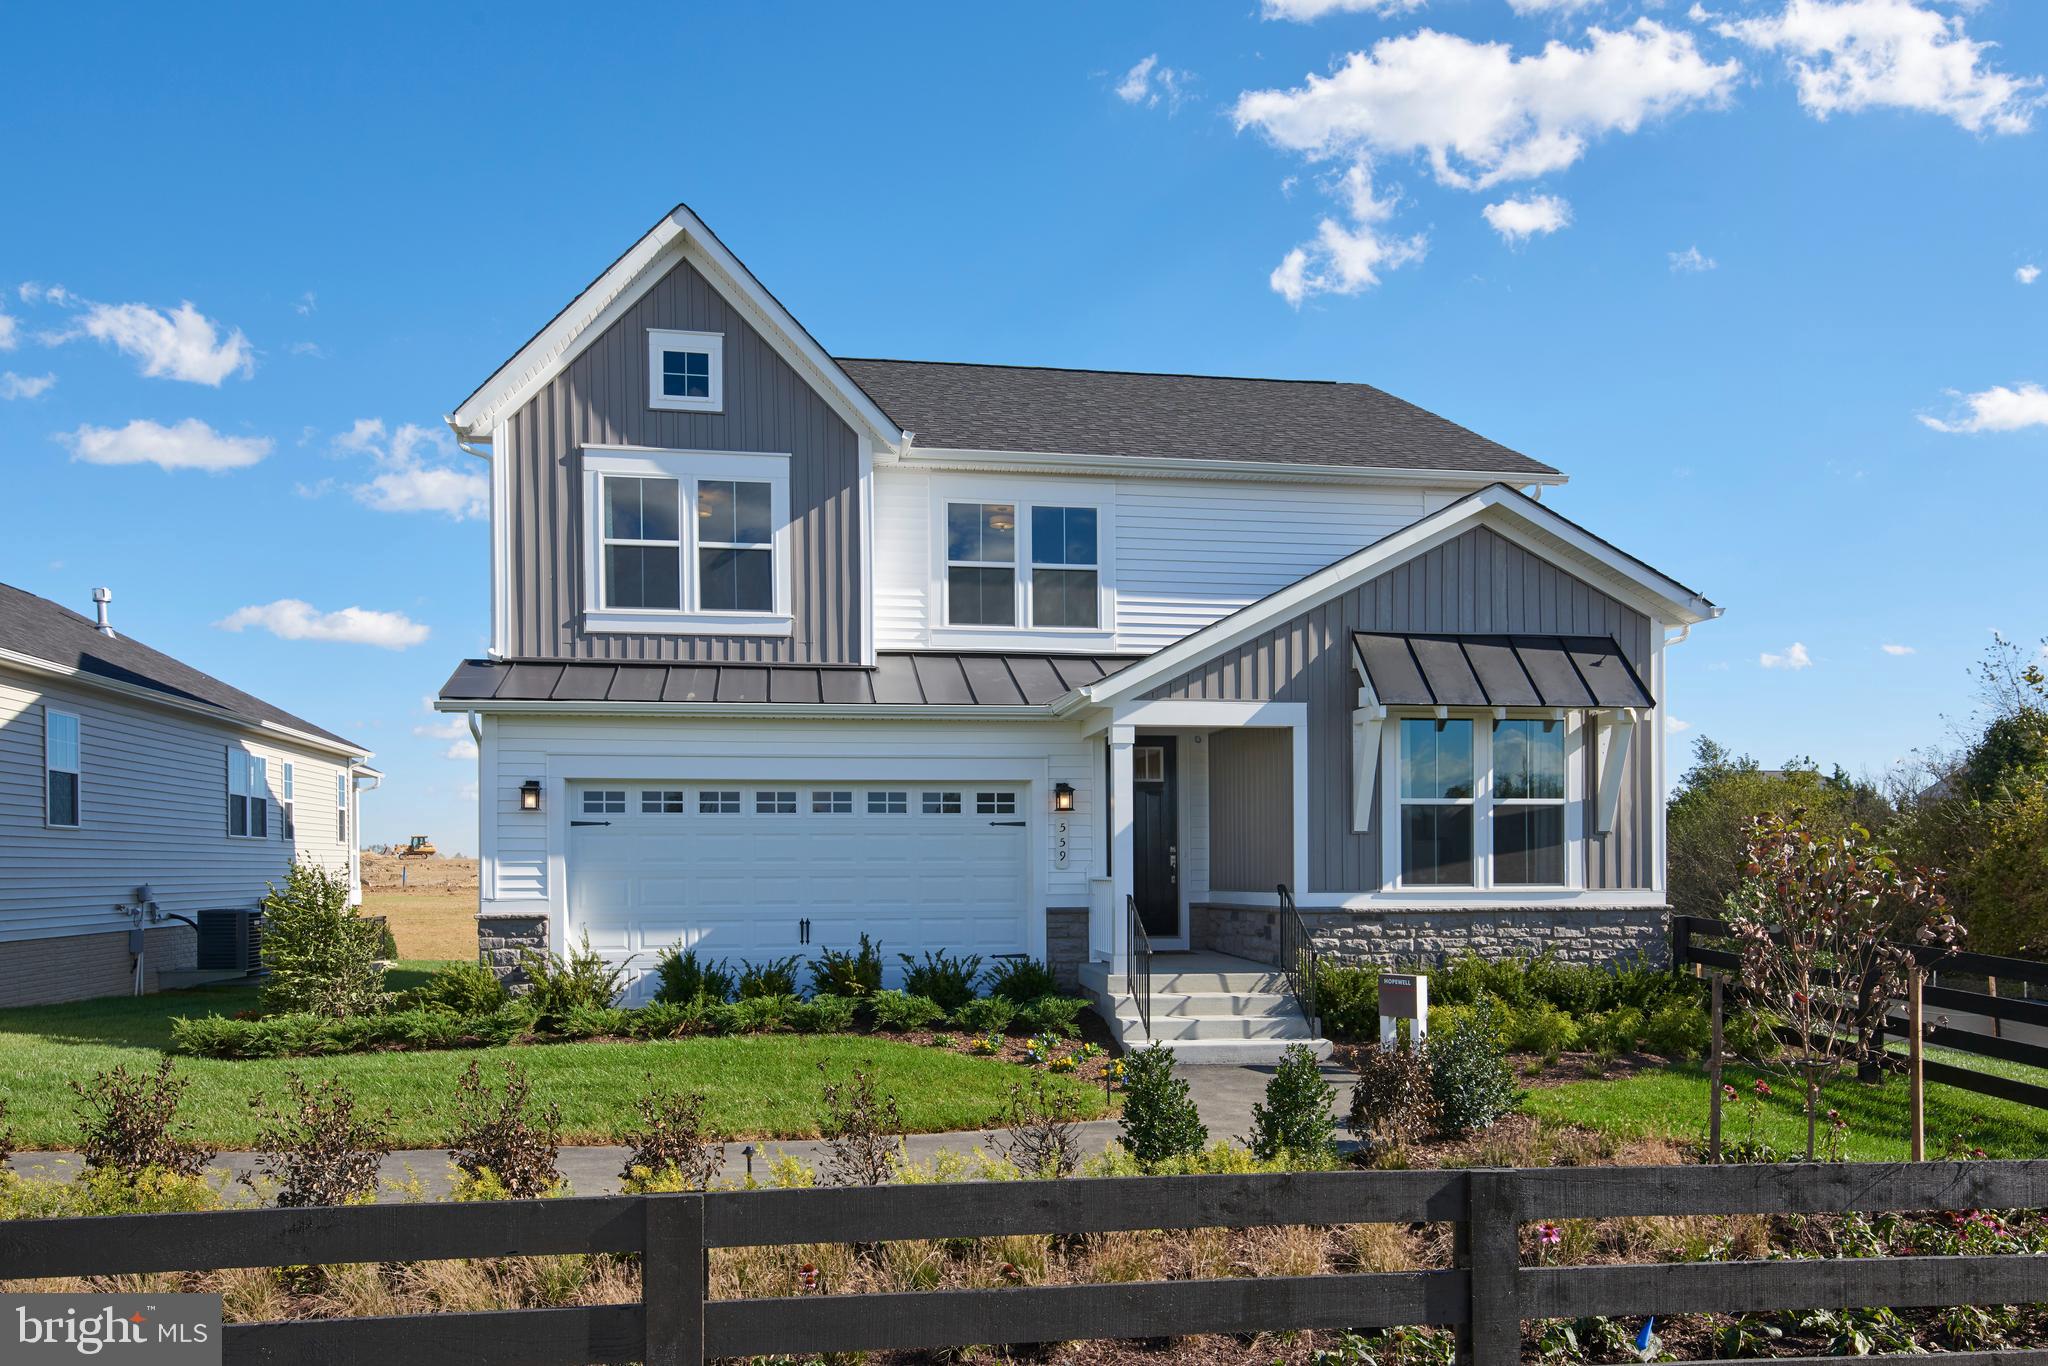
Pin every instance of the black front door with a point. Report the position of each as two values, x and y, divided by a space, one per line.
1155 835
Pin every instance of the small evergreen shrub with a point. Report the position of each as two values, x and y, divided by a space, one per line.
682 977
942 978
317 1146
1059 1015
1469 1074
1348 999
822 1014
844 972
776 977
500 1136
1540 1027
128 1123
1295 1122
1615 1031
985 1015
594 1022
762 1014
1159 1122
663 1020
672 1147
898 1012
322 954
1680 1031
1020 981
1392 1101
461 989
558 985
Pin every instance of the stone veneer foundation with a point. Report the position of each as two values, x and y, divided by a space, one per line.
1391 939
500 936
1066 944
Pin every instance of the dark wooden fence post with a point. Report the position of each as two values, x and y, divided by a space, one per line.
1493 1220
672 1280
1681 943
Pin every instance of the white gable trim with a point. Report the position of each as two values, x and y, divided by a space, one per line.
680 236
1514 515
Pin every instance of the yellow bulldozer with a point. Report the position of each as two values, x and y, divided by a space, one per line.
419 846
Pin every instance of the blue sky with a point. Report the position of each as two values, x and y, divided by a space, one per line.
1729 267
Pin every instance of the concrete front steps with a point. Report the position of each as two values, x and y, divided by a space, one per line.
1207 1008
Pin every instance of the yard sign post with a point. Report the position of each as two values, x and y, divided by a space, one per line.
1404 996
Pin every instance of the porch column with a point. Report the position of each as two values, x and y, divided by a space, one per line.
1122 853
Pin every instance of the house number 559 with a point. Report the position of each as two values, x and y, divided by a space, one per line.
1059 843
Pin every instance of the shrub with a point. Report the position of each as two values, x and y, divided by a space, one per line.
862 1130
1468 1073
896 1012
387 942
500 1136
664 1020
1392 1102
1616 1031
1574 988
840 972
672 1144
1469 979
761 1014
594 1022
102 1190
318 1148
722 1017
1159 1122
1020 980
1060 1015
682 977
776 977
1348 999
1681 1030
322 954
822 1014
557 985
129 1123
461 989
1294 1121
942 978
1041 1132
1540 1027
985 1015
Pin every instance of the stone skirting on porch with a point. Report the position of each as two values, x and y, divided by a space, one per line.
502 935
1420 937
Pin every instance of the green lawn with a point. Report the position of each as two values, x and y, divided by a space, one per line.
762 1086
1672 1103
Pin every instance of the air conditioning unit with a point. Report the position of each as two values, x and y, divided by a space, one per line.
230 941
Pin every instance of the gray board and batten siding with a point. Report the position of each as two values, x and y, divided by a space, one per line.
1476 582
601 398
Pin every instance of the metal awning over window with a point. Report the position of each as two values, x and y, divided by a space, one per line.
1456 670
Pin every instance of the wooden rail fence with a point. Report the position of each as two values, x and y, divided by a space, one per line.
1485 1297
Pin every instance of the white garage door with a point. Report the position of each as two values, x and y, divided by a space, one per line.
757 871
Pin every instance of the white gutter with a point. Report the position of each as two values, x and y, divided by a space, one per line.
1069 462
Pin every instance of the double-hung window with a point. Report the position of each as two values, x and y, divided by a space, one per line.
341 809
688 542
1437 803
248 795
1528 803
1482 802
290 830
685 370
1037 565
61 767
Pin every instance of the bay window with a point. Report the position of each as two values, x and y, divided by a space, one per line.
1481 802
687 542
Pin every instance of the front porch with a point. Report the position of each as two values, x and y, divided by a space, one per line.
1208 1007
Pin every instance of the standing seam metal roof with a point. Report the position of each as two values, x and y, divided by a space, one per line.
899 678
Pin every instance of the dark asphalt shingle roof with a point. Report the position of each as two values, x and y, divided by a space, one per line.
1446 670
898 679
957 406
44 630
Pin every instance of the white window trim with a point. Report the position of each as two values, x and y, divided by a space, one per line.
1024 495
344 828
1482 803
77 773
248 778
668 339
288 826
687 468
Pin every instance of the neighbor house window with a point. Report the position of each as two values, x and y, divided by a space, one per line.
1528 803
1064 580
1436 803
248 795
685 370
61 767
341 809
285 803
687 542
981 564
643 544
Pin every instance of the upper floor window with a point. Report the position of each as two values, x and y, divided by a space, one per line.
341 809
688 541
1048 579
981 564
248 795
1064 583
62 766
285 802
643 543
1482 802
686 370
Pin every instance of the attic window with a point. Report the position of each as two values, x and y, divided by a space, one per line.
686 371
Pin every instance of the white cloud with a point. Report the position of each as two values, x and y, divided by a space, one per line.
1898 649
1850 55
25 386
465 748
291 619
2027 274
1517 220
414 473
1674 726
1795 657
453 728
1691 261
188 445
1550 6
305 348
1347 259
10 332
181 344
34 292
1482 115
1308 11
1147 83
306 305
1997 409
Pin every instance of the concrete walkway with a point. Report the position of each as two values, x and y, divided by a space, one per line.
1223 1095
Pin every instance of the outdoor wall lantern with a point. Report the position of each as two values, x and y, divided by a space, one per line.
529 795
1063 796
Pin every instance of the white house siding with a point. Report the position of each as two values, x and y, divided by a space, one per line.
153 802
1186 551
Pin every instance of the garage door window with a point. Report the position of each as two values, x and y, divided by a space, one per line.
775 803
888 803
995 803
941 803
666 802
601 802
831 803
713 802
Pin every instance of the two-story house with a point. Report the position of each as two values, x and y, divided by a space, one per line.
1084 665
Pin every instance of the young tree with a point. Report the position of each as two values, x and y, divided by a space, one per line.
1829 927
321 952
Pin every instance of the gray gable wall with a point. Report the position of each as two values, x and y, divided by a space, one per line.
602 398
1478 581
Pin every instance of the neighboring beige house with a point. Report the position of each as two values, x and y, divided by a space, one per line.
144 807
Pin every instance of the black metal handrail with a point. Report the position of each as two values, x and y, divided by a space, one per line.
1139 977
1299 960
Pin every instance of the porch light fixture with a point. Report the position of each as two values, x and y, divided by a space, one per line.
1063 796
529 795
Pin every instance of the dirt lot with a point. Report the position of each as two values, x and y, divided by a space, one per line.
431 903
